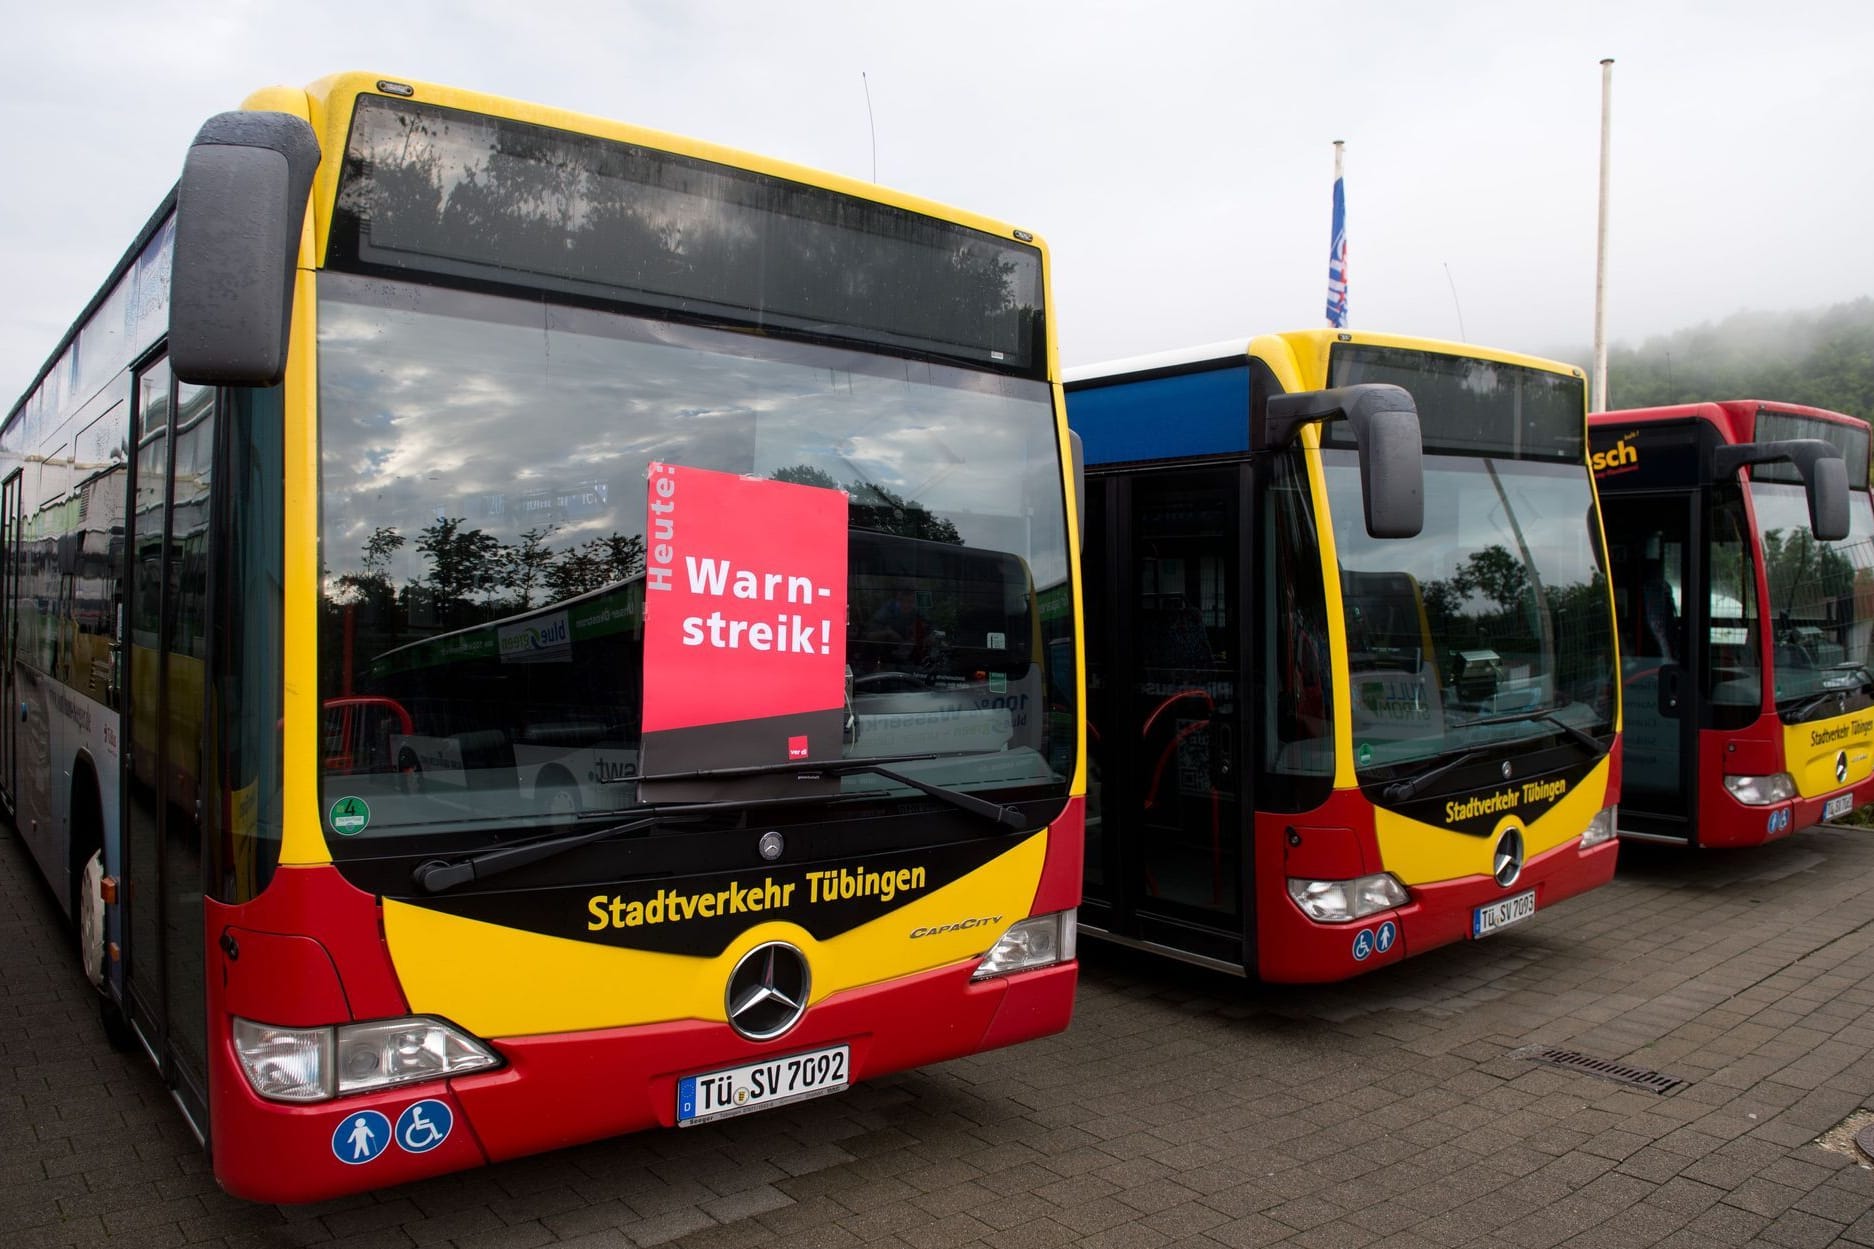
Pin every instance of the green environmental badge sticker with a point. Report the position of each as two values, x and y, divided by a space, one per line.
349 816
1362 755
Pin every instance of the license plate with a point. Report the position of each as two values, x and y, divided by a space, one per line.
1841 804
757 1086
1512 910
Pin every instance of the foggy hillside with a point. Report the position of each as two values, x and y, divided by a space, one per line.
1824 359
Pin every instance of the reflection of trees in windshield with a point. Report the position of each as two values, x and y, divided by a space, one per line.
1489 602
871 506
472 576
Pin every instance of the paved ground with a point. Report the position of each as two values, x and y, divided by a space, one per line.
1401 1110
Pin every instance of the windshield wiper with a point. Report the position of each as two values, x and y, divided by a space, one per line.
1581 737
1399 791
440 875
997 813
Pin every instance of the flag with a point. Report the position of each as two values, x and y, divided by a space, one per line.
1337 259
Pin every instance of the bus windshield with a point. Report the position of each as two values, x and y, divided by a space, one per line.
1488 627
483 476
1821 604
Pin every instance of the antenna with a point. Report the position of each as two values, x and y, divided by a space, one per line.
870 124
1462 336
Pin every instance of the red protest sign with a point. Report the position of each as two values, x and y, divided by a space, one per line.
744 621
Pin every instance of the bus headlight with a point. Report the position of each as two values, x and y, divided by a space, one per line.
1341 901
1038 942
1600 828
1761 791
314 1064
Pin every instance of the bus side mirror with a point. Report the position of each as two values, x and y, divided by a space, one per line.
239 210
1824 477
1385 429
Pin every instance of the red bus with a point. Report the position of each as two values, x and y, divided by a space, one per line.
527 629
1742 541
1350 650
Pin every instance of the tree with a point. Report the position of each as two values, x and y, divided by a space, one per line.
462 562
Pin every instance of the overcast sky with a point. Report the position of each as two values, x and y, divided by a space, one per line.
1177 157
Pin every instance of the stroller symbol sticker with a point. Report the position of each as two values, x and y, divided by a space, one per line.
423 1126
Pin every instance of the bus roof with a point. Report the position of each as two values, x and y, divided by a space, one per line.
1735 419
1235 350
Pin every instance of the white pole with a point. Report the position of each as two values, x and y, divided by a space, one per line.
1600 245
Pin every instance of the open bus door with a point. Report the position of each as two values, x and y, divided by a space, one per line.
1654 546
1167 825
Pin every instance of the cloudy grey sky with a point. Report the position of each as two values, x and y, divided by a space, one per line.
1176 155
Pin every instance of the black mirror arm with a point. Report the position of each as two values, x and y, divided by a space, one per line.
1824 477
1358 404
1727 458
1385 429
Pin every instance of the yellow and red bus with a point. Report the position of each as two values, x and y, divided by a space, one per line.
427 785
1350 650
1742 541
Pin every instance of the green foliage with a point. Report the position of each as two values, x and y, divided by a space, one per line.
1822 359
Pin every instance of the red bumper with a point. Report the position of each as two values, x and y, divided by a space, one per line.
1298 950
564 1089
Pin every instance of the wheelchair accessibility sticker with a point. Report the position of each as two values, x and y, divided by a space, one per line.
423 1126
363 1135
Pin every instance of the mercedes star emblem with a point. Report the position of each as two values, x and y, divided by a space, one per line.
1507 865
768 991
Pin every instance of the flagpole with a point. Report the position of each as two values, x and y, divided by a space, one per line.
1600 245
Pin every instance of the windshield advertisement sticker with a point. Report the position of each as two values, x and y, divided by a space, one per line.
744 621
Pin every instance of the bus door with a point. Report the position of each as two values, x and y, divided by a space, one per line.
1167 830
1652 539
9 635
163 730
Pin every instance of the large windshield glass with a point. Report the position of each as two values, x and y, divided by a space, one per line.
1485 629
1821 603
483 468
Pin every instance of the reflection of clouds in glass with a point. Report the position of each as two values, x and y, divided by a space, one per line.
429 416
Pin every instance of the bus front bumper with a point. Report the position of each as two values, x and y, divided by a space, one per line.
1303 951
569 1088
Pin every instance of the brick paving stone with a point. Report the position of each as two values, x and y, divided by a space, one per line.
1181 1107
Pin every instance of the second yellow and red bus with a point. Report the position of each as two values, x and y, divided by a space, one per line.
1743 566
1350 650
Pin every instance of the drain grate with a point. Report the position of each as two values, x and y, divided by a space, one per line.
1587 1064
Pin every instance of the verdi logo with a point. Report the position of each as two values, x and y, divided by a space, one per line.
536 639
